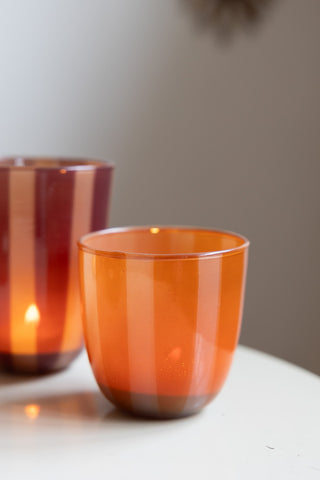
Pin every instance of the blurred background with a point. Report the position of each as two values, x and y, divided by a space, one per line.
210 110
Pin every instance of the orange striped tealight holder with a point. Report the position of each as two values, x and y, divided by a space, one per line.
162 309
46 204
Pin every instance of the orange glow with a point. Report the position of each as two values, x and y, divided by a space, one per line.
32 411
32 314
63 170
175 354
154 230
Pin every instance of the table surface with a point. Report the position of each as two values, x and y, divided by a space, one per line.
264 424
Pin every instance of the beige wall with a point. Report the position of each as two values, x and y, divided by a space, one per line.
223 135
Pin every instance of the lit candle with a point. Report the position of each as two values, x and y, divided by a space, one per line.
46 205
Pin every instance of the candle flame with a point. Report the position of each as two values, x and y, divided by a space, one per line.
154 230
32 314
32 411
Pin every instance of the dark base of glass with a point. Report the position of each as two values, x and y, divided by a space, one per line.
37 364
156 406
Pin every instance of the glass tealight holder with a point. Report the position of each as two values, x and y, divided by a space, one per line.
46 204
162 308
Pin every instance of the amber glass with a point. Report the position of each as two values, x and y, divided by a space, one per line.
45 206
162 309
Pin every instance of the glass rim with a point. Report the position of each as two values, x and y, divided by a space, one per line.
51 162
121 254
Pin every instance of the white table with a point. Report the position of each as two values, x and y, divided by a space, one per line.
265 424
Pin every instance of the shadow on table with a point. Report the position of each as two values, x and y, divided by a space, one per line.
8 378
82 406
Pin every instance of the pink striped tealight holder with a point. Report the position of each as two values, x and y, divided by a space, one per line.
46 205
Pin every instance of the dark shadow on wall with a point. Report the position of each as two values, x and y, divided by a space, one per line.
227 17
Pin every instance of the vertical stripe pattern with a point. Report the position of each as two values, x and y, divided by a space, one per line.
141 338
101 199
112 328
22 273
43 212
90 306
207 323
176 307
4 263
54 204
81 222
233 274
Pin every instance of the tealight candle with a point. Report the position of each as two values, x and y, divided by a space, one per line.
45 206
